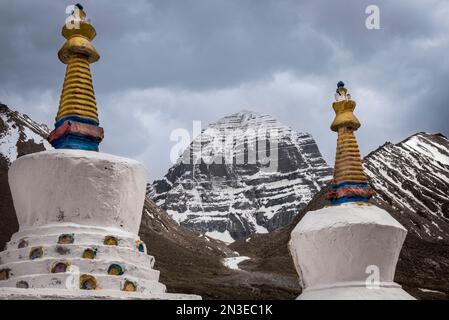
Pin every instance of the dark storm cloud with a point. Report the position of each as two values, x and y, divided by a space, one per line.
166 63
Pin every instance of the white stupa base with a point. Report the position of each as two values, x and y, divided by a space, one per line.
79 214
342 252
356 291
53 294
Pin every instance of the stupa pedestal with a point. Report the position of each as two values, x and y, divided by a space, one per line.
79 214
348 251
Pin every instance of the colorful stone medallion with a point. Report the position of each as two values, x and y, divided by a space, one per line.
22 285
36 253
62 250
110 241
60 267
115 270
90 253
66 239
88 282
22 244
140 246
129 286
4 274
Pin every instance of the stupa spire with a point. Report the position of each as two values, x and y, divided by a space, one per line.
350 184
77 124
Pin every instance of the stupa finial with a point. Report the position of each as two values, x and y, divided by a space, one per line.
77 124
350 184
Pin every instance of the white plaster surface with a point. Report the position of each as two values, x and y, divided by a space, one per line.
82 187
53 294
352 291
336 248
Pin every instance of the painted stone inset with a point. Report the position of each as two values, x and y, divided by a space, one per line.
62 250
110 241
129 286
22 244
66 239
4 274
22 285
140 246
89 254
60 267
88 282
36 253
115 270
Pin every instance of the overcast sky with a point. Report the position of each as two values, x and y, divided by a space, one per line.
166 63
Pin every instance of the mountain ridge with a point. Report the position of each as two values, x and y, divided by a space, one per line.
412 176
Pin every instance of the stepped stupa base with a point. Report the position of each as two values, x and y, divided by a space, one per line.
356 291
79 214
56 294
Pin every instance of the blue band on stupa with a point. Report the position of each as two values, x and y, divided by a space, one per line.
352 184
76 119
74 132
72 141
348 199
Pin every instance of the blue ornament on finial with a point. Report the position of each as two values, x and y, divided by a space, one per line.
79 6
340 84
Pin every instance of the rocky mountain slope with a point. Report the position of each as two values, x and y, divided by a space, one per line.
231 190
192 263
413 178
19 135
407 177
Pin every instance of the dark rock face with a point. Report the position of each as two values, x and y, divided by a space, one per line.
247 193
19 135
411 179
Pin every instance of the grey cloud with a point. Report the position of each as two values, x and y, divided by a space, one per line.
171 62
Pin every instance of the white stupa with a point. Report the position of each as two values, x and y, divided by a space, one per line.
79 210
348 250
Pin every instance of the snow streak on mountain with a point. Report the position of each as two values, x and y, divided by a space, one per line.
413 178
19 133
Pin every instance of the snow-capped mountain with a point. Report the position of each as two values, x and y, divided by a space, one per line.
252 176
412 177
19 135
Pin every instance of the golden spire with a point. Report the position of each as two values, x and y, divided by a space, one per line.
77 97
77 121
350 184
